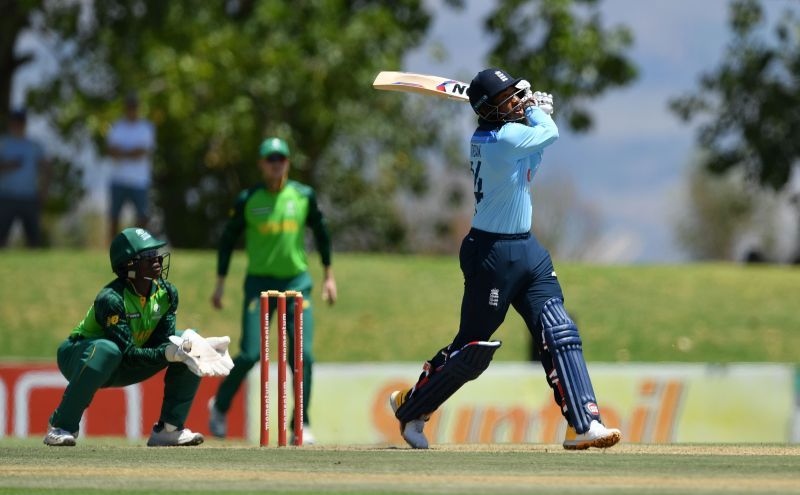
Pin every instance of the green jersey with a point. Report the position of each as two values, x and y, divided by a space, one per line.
140 326
274 226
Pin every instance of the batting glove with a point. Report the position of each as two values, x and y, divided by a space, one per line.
198 355
527 95
544 101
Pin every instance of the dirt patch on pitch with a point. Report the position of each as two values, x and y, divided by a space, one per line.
443 469
627 449
241 479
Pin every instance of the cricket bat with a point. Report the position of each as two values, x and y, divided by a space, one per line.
423 84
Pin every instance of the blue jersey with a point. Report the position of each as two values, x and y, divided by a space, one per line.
503 162
21 182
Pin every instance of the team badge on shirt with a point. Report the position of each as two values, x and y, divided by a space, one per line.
494 297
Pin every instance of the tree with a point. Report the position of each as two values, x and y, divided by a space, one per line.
563 46
13 22
751 101
66 187
218 77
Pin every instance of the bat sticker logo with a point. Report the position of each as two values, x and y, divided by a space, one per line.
452 87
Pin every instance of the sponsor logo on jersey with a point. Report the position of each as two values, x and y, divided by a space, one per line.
133 316
276 227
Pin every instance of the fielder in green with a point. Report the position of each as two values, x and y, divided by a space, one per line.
127 336
273 216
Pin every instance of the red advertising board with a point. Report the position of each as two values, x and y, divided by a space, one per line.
30 392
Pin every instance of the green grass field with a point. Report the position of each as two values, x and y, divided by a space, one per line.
110 467
402 308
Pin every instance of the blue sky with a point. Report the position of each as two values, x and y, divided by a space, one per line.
631 167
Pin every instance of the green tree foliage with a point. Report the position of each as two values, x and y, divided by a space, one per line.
218 77
564 49
15 19
752 100
66 184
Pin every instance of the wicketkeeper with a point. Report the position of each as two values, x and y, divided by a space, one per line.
129 335
504 265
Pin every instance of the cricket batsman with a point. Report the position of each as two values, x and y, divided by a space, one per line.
503 266
127 336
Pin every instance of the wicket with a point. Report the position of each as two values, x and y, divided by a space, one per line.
280 298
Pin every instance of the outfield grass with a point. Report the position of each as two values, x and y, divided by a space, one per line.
402 308
112 467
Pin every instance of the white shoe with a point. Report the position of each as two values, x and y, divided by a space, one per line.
217 421
308 437
177 438
597 436
412 430
57 437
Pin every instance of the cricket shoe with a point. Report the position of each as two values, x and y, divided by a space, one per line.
57 437
597 436
308 437
185 437
411 430
217 421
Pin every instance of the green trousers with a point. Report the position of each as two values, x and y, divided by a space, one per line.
251 335
92 364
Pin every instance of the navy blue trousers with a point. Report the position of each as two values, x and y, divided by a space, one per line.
500 271
503 270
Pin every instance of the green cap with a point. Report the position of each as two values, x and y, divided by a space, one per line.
130 242
272 146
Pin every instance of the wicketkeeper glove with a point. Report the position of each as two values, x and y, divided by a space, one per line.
199 355
544 101
220 344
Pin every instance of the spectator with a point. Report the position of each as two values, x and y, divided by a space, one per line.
24 177
131 143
